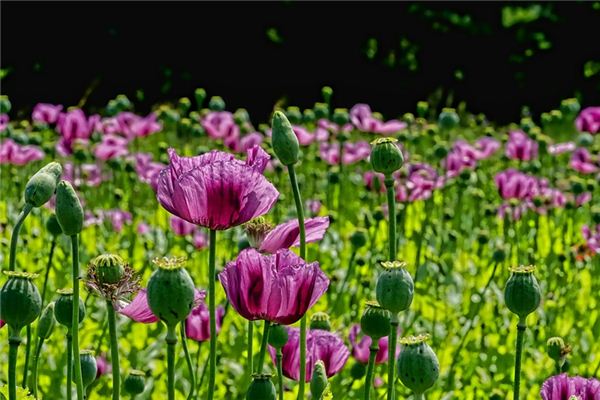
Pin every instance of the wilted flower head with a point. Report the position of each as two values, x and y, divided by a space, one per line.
563 387
267 239
126 285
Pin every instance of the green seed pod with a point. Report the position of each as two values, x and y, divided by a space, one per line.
440 150
422 109
378 215
294 115
554 347
341 116
327 92
522 293
585 139
200 96
596 214
358 239
448 118
320 320
261 388
318 382
63 308
395 287
216 103
109 268
89 369
309 116
20 300
171 291
184 104
123 102
570 107
375 321
135 382
386 156
284 140
46 322
499 255
321 110
68 209
418 366
358 370
42 185
53 226
278 336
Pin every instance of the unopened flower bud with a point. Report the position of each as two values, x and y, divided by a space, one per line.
522 293
294 115
216 103
320 320
20 300
284 140
278 336
395 287
318 382
321 110
261 388
375 321
386 157
68 209
53 226
184 104
418 366
46 322
135 382
422 109
358 238
63 308
42 185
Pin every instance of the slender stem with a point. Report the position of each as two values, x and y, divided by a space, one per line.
27 352
212 364
519 351
48 268
348 276
197 371
250 367
69 365
278 358
15 236
391 201
300 214
75 322
114 350
188 359
36 359
171 340
13 341
394 321
263 348
370 367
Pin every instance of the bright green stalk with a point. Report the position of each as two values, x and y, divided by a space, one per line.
279 374
519 350
114 350
34 372
27 352
171 340
75 326
250 351
394 321
212 364
188 359
69 365
13 341
370 367
391 200
263 348
15 236
48 267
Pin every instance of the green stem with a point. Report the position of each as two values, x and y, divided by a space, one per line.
69 365
278 358
75 316
171 340
394 321
519 351
114 349
300 214
349 275
15 236
212 364
391 200
13 341
370 367
250 366
263 348
418 396
34 372
197 371
27 352
48 268
188 359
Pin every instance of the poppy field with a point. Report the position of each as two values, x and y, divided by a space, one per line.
327 253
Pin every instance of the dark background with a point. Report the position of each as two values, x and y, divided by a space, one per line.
54 52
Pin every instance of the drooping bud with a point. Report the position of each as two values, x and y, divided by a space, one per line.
109 268
135 383
278 336
42 185
53 226
395 287
448 118
256 231
418 366
318 382
89 368
46 322
358 238
68 209
320 320
170 291
63 308
216 103
375 321
522 293
20 300
386 157
261 388
284 140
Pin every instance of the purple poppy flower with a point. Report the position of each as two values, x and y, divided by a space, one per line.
109 126
138 309
374 181
215 190
521 147
563 387
143 228
220 125
560 148
588 120
46 113
248 141
360 349
592 237
362 118
277 287
320 345
197 323
485 147
73 127
314 206
353 152
418 183
462 156
513 184
200 240
4 120
180 226
147 170
287 235
84 175
104 367
112 146
144 126
582 161
15 154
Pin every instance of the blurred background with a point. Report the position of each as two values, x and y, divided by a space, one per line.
496 57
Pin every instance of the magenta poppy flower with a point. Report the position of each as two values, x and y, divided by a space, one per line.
287 235
563 387
197 324
85 175
362 118
4 120
215 190
220 125
521 147
117 218
46 113
180 226
582 161
374 181
418 183
360 348
110 147
147 170
248 141
320 345
592 237
200 240
139 311
353 152
144 126
462 156
513 184
588 120
74 126
143 228
485 147
109 126
278 287
560 148
15 154
314 206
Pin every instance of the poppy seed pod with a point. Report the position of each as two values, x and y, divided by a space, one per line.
294 115
109 268
522 293
261 388
418 366
135 382
200 96
42 185
63 308
284 140
386 156
327 92
20 300
422 108
46 322
68 209
554 347
448 118
318 382
216 103
321 110
358 238
170 291
53 226
320 320
375 321
278 336
341 116
395 287
89 368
